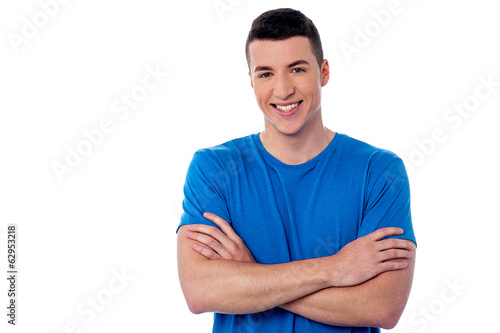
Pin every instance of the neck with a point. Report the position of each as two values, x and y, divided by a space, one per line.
296 148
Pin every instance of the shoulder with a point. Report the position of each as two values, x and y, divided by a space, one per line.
369 156
226 153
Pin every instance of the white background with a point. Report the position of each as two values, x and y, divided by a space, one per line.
117 211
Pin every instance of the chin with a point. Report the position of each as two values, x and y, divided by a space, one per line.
289 131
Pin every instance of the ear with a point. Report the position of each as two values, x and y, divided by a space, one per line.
325 73
251 81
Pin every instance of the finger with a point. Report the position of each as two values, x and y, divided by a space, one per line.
208 230
396 254
395 243
223 224
385 232
393 265
227 243
233 240
206 252
209 242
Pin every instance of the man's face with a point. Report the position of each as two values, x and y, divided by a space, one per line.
287 82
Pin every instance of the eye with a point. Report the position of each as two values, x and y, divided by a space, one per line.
264 75
298 70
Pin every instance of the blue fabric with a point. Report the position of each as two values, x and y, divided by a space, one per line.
293 212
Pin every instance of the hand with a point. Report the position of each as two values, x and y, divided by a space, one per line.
368 256
216 244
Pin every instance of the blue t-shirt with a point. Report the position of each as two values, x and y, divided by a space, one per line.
292 212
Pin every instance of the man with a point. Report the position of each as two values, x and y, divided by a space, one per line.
297 228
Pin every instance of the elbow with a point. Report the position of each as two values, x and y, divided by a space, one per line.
195 303
389 324
200 298
389 319
195 308
195 296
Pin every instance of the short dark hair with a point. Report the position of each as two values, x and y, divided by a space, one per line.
283 23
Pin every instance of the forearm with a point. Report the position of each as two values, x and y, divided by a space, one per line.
241 286
228 286
378 302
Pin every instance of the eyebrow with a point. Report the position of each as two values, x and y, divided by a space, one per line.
293 64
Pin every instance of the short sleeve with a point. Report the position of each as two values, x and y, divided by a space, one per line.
387 197
205 190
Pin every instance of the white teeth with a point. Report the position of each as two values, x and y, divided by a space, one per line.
287 108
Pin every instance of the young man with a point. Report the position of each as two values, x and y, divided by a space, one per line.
297 228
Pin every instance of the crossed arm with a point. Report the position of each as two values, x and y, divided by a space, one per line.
366 283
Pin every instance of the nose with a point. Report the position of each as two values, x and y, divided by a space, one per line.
283 87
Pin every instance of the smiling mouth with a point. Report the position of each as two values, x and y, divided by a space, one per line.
287 108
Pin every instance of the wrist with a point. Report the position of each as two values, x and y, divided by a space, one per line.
332 271
326 271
